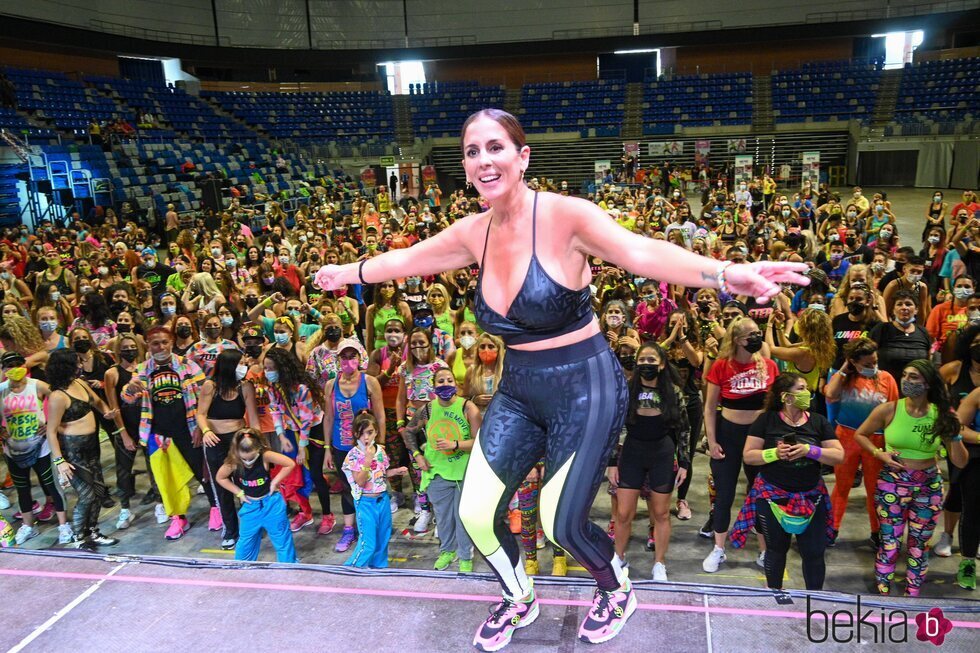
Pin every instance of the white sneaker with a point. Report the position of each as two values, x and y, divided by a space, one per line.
25 533
394 505
161 514
761 560
714 559
4 501
65 534
659 572
422 524
200 489
944 547
125 519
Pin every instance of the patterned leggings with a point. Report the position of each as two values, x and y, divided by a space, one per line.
82 451
527 500
913 497
398 455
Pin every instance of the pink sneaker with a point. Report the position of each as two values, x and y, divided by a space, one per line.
36 508
178 526
300 520
46 513
214 520
505 617
608 615
326 524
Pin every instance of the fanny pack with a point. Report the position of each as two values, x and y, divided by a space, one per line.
794 524
25 452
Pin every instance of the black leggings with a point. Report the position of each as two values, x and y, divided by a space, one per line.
731 437
812 543
22 481
346 498
83 452
125 459
215 457
566 405
969 488
194 457
316 453
695 416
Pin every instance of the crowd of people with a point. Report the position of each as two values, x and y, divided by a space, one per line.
219 362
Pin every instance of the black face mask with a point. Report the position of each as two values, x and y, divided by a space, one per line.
332 333
118 307
212 332
254 351
856 307
128 355
754 343
124 328
183 331
975 353
251 301
628 362
647 371
82 346
850 241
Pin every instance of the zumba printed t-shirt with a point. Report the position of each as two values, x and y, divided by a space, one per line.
421 380
167 400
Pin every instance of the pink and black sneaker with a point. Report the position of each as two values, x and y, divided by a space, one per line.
608 615
505 617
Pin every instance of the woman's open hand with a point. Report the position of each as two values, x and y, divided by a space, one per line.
761 279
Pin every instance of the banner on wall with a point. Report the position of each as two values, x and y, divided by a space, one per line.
665 148
743 168
702 150
601 168
369 178
737 145
429 176
811 168
631 148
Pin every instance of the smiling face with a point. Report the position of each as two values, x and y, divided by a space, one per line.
493 161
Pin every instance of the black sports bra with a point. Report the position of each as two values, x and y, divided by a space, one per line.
542 309
77 409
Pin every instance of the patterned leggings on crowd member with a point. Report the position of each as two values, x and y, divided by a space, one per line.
566 405
398 453
21 477
82 452
844 473
527 501
906 496
414 471
695 416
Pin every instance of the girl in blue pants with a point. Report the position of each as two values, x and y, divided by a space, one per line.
246 474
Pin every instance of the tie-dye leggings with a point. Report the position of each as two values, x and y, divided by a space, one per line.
913 497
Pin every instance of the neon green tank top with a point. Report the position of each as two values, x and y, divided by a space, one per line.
812 377
910 436
459 368
448 423
445 323
381 317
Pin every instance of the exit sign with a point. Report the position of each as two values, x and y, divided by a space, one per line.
387 160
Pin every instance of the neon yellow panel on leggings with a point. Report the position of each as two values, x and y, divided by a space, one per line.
482 492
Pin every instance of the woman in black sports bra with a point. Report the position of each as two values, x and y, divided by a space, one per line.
555 398
73 435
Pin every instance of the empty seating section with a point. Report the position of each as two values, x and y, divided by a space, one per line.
943 92
573 106
175 108
697 101
353 117
825 91
65 103
14 122
439 109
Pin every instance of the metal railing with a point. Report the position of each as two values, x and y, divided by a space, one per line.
889 11
155 34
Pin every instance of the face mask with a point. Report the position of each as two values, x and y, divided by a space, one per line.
55 296
869 372
249 463
53 262
272 376
934 240
851 241
387 293
128 355
914 278
281 338
161 356
467 342
877 268
488 356
836 256
786 213
251 301
445 392
124 328
754 343
82 346
424 322
974 316
962 293
394 339
231 263
152 263
212 332
614 320
937 198
16 373
183 331
48 326
253 351
818 307
647 371
628 362
913 389
799 399
216 252
852 214
103 270
348 365
332 333
885 234
270 250
284 260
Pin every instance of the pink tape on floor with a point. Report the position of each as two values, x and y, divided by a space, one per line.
436 596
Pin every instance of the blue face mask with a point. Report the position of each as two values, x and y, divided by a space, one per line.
445 392
282 338
424 322
272 376
168 310
226 320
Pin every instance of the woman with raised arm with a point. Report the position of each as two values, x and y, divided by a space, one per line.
537 298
